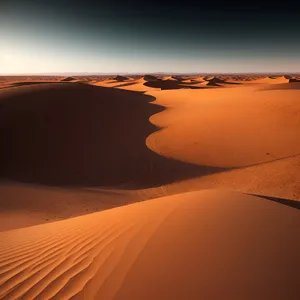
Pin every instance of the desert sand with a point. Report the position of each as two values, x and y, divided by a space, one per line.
150 187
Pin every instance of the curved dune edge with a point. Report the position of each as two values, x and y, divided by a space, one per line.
226 127
200 245
136 85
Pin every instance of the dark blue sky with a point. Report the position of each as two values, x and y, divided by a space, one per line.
148 36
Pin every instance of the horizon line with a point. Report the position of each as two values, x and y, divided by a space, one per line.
142 73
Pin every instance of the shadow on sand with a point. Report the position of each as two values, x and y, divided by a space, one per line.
169 85
288 202
69 134
17 84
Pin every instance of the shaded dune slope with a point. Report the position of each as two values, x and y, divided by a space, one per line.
150 78
21 83
200 245
214 81
294 80
288 202
23 205
121 78
68 79
169 84
69 134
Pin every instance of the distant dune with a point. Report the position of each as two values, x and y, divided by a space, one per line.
208 78
121 78
294 80
176 78
214 80
269 80
150 78
163 84
169 83
68 79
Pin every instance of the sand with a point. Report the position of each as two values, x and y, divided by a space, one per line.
150 187
227 128
195 245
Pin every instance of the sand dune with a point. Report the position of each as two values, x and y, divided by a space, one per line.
187 80
208 81
121 78
163 84
74 154
195 83
168 78
218 81
294 80
24 205
199 78
278 178
18 83
268 80
227 127
169 84
195 245
70 134
207 78
150 78
215 81
224 133
136 85
68 79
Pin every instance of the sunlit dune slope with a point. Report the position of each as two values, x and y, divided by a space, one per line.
277 178
201 245
227 127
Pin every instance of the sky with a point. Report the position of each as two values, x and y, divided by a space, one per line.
129 36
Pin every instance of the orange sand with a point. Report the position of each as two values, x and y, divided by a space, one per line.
209 244
213 160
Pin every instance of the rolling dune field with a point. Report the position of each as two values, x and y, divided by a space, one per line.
150 187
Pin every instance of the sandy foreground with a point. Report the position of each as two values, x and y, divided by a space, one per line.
150 188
